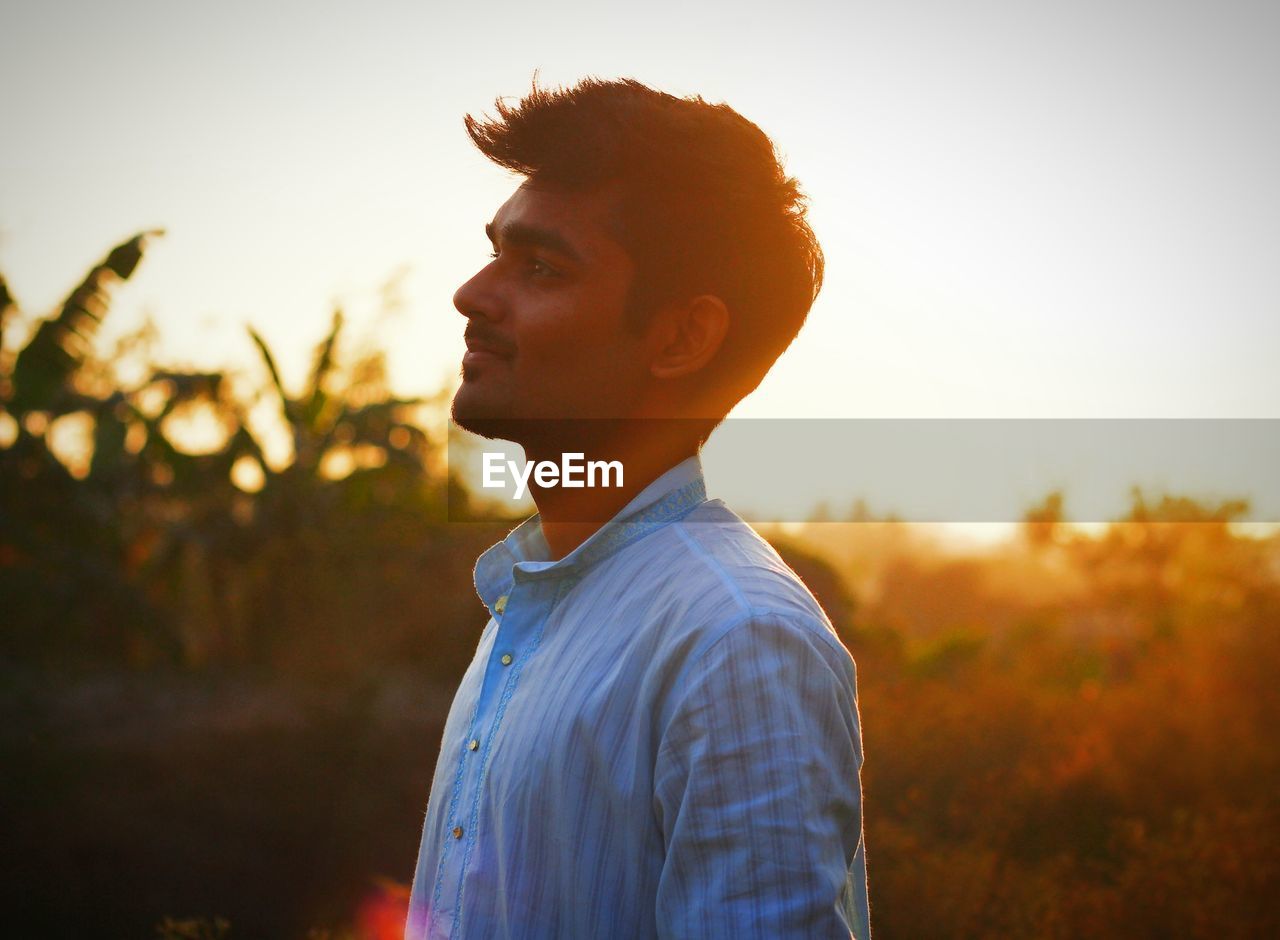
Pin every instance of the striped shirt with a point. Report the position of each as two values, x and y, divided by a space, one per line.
658 737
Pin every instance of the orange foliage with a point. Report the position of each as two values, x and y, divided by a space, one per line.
1092 755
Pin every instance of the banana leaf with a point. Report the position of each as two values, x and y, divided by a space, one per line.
7 306
46 366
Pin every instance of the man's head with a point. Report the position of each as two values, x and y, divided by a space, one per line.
655 262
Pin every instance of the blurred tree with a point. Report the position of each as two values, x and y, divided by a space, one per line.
143 545
1042 524
61 556
359 500
43 377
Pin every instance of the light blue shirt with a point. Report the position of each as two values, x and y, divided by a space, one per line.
658 737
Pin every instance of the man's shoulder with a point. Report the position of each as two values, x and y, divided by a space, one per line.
711 570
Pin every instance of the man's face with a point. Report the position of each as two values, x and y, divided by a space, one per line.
546 336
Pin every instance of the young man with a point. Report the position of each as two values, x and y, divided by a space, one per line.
658 736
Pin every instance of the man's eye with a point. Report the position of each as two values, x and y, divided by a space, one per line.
535 266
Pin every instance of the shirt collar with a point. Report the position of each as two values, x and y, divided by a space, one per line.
524 555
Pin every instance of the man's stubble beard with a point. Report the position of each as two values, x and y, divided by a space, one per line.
481 421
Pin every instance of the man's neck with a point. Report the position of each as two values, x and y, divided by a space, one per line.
570 516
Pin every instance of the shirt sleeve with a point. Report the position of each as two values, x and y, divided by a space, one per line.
757 789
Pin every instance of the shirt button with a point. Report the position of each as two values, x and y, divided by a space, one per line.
506 659
473 744
500 604
457 832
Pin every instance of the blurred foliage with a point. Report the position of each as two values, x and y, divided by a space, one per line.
149 550
1076 735
1072 735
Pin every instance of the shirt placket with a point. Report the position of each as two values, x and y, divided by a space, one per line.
520 615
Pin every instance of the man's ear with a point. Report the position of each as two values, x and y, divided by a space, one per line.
687 336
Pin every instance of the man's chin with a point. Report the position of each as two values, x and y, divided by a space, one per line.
482 419
493 429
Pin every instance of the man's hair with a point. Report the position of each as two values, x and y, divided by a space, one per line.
705 206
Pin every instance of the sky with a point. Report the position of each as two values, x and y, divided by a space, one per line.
1028 210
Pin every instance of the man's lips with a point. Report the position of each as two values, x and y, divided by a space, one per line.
479 356
482 349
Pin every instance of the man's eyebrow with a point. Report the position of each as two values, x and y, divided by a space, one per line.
528 236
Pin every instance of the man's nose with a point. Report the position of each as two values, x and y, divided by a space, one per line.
478 297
